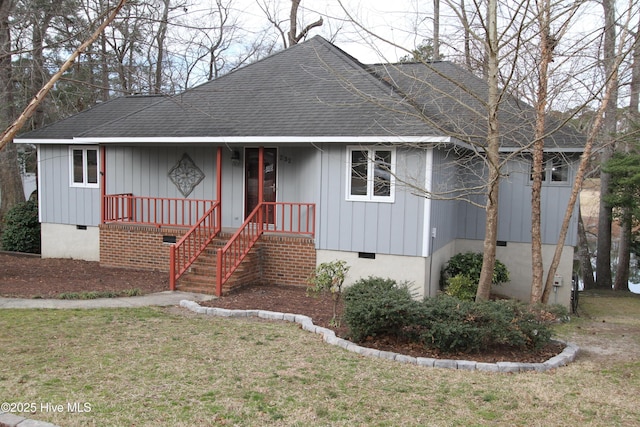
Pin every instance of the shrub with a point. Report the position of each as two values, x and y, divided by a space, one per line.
452 325
21 232
461 287
329 277
470 264
377 306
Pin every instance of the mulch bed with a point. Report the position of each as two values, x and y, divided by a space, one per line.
294 299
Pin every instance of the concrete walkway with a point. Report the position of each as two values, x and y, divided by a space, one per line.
166 298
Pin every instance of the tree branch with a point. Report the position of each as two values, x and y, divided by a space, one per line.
11 131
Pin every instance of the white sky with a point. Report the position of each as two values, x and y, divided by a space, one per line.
391 19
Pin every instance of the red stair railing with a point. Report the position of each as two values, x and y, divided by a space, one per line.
183 253
290 218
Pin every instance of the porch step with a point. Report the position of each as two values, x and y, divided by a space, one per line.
201 276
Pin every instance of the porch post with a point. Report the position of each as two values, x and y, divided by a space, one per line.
103 182
260 184
219 188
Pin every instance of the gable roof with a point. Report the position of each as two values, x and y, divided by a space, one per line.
314 89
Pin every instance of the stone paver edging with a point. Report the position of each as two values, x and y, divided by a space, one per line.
565 357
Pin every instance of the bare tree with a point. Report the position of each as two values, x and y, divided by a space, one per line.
10 132
291 36
609 97
626 218
603 259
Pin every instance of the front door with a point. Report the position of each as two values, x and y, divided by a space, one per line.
251 165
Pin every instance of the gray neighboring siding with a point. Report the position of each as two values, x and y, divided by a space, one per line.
514 217
59 202
385 228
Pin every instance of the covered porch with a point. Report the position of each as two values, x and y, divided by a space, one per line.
174 233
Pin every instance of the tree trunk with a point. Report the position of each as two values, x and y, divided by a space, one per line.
603 261
611 88
160 38
11 191
104 69
294 37
493 157
626 218
584 254
546 56
624 252
436 30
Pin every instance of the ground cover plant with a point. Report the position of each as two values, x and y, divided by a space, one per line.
152 366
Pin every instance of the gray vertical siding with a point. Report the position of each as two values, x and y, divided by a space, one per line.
443 212
145 171
59 202
386 228
514 216
313 175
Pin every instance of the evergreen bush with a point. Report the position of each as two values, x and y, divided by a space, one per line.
21 231
377 306
468 264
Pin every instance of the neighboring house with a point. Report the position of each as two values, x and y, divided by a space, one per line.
341 154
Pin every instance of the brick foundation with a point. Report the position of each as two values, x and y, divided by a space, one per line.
275 259
136 246
287 260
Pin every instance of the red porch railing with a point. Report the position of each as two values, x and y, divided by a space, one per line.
183 253
290 218
158 211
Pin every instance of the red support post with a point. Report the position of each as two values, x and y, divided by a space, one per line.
260 185
219 272
172 267
219 188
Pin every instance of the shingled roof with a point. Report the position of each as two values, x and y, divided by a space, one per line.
310 89
454 100
313 89
93 117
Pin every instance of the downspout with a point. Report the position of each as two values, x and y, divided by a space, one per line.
428 235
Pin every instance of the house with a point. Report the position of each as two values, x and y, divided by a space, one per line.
303 157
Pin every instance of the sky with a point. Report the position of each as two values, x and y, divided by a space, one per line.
391 19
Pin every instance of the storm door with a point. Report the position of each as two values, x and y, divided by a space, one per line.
252 190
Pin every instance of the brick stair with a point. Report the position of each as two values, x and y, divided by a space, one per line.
201 276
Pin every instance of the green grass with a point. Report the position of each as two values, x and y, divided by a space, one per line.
153 366
100 294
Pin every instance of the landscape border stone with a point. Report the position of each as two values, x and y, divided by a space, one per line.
567 355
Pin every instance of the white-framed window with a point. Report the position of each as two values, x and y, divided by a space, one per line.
555 169
371 174
84 164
